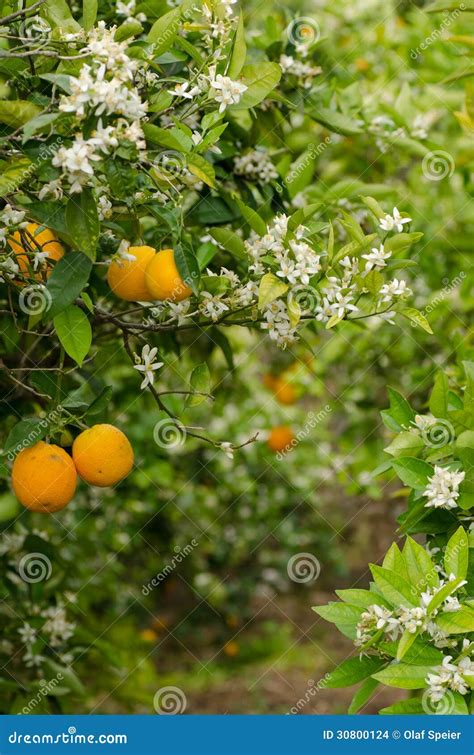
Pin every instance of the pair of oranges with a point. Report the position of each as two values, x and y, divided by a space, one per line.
150 276
44 476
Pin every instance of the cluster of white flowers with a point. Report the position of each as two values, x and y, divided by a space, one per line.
103 88
411 619
256 165
56 626
304 72
442 490
386 130
128 9
338 294
278 323
455 676
219 22
394 221
225 90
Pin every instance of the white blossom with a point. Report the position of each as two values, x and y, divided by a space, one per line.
147 366
442 490
393 221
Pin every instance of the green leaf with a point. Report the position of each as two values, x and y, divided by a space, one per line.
25 433
74 333
260 79
14 173
406 641
451 587
270 289
58 13
16 113
413 472
393 586
230 241
408 707
374 207
362 598
353 670
456 555
400 409
239 50
363 695
394 561
300 173
414 316
334 121
163 32
421 570
83 223
404 676
89 13
173 138
69 277
188 266
200 381
254 220
405 443
438 403
38 124
202 169
457 622
128 29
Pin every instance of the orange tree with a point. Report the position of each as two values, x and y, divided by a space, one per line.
151 204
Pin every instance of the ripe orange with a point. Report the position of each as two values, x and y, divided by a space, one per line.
280 438
163 279
231 649
44 477
126 278
148 635
35 240
285 392
103 455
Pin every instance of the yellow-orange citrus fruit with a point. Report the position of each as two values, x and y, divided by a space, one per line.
284 391
163 279
148 635
44 477
280 438
126 278
35 240
362 65
231 649
103 455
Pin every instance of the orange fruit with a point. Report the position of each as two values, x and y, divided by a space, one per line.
231 649
44 477
103 455
362 65
35 240
163 279
284 391
148 635
126 278
280 438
